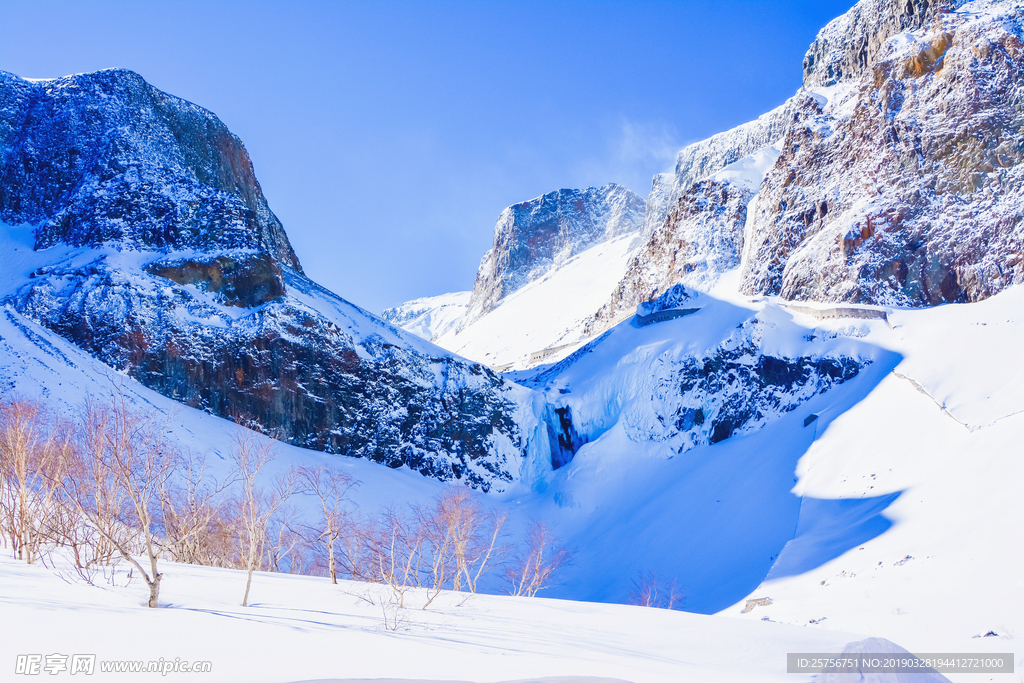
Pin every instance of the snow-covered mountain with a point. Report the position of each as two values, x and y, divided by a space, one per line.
553 258
429 317
145 240
544 320
893 174
107 158
686 400
535 237
775 442
902 183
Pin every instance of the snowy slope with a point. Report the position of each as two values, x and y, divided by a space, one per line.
302 628
545 313
942 434
429 317
917 455
354 379
720 519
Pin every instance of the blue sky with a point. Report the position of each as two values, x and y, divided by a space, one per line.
388 136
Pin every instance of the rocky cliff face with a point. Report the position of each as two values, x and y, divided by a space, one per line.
705 158
700 239
847 47
106 158
694 224
161 257
717 373
895 180
904 185
534 237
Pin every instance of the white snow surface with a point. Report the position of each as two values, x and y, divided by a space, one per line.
902 497
545 313
301 628
749 171
430 317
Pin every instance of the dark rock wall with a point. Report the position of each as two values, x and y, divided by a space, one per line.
289 371
107 158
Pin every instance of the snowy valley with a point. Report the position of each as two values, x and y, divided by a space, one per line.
781 396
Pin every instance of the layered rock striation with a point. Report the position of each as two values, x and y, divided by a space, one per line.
163 259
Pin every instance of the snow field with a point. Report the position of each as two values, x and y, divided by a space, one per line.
302 628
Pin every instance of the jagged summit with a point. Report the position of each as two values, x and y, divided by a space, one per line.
534 237
106 158
892 177
847 47
155 251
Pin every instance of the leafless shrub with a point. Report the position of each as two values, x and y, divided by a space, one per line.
531 571
330 487
256 505
34 446
650 591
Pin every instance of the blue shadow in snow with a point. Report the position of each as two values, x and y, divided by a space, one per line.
828 528
718 520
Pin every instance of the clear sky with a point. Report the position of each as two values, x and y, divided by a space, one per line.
388 136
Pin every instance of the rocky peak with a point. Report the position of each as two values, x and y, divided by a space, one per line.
848 46
107 158
702 159
183 279
904 187
536 236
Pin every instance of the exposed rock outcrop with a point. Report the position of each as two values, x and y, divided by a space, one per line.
106 158
684 390
246 281
847 47
534 237
165 262
905 186
701 238
702 159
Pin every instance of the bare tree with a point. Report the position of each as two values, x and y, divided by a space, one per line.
394 545
329 486
33 449
475 536
288 549
438 527
256 506
355 553
189 511
650 591
115 478
460 540
531 571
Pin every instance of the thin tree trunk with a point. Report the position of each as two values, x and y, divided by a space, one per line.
330 563
248 582
154 591
154 585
